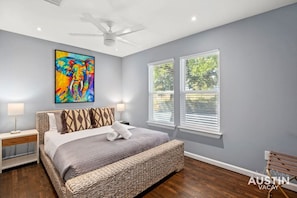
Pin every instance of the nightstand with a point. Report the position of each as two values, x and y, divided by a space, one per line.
124 122
8 139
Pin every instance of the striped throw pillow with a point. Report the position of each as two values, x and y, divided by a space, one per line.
102 116
76 120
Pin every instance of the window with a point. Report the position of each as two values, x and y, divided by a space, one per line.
200 93
161 107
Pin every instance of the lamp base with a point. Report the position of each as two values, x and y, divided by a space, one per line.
14 132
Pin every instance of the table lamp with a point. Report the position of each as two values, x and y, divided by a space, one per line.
15 109
120 108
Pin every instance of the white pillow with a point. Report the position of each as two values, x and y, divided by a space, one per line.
52 122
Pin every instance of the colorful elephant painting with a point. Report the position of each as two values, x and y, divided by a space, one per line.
74 77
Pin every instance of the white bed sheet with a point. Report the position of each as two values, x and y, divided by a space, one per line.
53 139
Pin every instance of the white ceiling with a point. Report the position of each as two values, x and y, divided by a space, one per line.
164 20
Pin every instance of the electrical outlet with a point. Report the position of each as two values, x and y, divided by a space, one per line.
266 155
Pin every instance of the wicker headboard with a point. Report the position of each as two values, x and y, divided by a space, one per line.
42 123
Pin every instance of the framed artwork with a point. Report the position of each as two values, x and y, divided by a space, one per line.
74 77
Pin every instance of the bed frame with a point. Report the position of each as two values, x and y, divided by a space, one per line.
125 178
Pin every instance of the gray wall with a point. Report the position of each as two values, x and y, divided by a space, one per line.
258 87
28 75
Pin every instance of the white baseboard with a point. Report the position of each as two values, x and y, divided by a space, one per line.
233 168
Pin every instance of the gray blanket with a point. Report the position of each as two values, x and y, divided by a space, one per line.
81 156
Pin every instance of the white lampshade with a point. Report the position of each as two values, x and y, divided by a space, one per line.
14 109
121 107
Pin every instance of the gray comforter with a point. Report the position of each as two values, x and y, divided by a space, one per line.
81 156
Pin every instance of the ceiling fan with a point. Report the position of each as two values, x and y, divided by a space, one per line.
109 36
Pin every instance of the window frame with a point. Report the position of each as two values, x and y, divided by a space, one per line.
183 127
151 122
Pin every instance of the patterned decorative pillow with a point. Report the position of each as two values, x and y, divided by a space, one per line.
102 116
76 120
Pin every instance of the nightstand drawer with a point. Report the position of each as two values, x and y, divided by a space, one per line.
19 140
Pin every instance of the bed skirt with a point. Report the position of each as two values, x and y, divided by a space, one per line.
125 178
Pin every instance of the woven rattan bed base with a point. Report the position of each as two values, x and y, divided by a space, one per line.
125 178
56 180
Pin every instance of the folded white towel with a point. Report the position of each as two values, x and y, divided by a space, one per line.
122 130
111 136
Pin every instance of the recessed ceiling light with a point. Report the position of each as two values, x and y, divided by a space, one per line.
116 49
193 18
39 29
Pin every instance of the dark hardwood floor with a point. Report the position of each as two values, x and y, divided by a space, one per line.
197 179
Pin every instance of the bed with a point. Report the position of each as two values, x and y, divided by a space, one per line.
127 177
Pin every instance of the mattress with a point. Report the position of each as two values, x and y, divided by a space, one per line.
79 152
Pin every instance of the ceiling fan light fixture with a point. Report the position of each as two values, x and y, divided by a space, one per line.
109 39
109 36
109 42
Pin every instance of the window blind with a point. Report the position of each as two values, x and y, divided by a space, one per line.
200 95
161 94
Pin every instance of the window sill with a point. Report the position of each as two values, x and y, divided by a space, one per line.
160 124
202 133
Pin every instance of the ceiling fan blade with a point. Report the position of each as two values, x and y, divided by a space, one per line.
126 41
82 34
89 18
130 30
